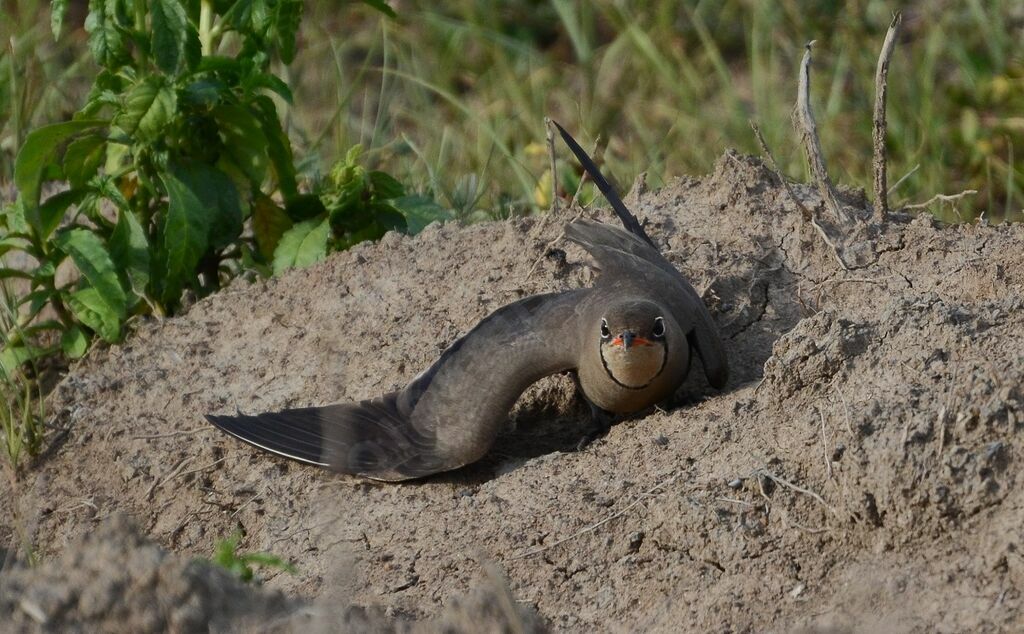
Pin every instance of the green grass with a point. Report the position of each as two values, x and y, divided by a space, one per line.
452 100
22 409
444 97
241 565
41 81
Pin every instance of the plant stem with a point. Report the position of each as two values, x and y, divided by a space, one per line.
206 27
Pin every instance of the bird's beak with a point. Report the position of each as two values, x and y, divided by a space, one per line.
627 340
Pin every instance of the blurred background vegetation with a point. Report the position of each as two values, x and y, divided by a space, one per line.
450 97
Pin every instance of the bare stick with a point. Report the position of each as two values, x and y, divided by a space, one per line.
879 126
943 198
183 432
798 489
643 496
803 121
550 136
175 471
824 445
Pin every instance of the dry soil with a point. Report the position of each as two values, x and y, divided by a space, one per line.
861 472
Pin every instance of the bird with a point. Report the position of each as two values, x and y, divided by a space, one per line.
629 338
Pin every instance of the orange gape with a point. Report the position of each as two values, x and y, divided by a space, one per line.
637 341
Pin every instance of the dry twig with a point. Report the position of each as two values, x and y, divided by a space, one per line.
824 445
943 198
803 121
878 122
789 485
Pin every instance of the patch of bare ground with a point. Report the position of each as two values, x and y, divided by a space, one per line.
861 472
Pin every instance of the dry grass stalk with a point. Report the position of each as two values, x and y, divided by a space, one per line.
878 122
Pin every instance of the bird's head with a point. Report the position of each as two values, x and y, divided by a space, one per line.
635 337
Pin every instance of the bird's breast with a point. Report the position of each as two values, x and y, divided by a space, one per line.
633 367
627 381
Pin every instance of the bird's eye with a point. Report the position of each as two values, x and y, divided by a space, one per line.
659 327
605 333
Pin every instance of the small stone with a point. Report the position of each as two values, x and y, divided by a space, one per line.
736 484
797 590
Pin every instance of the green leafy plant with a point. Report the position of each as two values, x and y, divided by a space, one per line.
178 146
356 205
226 555
162 164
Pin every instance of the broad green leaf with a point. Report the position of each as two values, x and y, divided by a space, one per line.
269 222
93 260
74 342
89 308
381 6
420 211
244 142
13 243
239 16
36 154
302 245
171 32
58 9
82 159
204 212
279 148
304 207
185 233
289 14
52 212
386 186
129 249
106 41
272 83
219 197
148 107
260 16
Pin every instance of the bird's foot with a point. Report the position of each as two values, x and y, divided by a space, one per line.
600 421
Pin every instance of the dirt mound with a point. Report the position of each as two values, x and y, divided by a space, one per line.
116 580
860 472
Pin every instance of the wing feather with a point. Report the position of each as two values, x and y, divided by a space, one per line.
447 416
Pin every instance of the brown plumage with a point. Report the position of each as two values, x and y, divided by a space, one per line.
629 338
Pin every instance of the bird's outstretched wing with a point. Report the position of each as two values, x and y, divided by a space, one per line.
446 417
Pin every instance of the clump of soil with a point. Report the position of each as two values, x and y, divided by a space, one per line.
861 470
